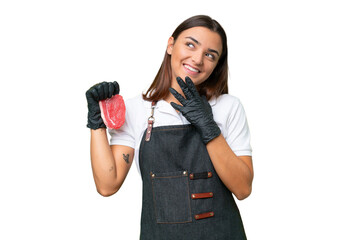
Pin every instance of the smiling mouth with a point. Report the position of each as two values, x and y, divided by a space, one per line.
191 69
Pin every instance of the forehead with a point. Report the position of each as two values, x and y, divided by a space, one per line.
204 36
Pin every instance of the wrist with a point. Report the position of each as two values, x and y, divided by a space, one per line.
95 120
95 123
210 132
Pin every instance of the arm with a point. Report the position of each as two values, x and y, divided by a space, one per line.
110 164
236 172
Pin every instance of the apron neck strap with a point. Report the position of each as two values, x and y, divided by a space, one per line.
151 121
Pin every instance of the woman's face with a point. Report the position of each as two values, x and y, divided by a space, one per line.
195 54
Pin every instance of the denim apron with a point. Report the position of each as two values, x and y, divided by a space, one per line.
183 197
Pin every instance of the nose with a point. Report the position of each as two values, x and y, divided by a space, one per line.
197 58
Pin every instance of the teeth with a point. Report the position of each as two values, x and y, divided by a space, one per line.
191 69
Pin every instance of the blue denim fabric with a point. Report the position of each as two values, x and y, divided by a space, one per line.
169 190
168 211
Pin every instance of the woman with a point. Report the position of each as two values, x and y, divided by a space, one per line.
189 138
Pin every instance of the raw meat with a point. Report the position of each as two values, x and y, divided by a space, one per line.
113 111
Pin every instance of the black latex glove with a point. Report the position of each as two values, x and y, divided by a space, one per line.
196 109
96 93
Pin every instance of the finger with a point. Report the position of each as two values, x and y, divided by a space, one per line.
204 98
176 106
178 96
88 93
191 86
117 87
184 88
93 93
111 90
106 90
100 91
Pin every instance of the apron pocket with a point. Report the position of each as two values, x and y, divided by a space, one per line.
171 197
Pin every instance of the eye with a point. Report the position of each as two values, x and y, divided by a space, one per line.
190 45
210 55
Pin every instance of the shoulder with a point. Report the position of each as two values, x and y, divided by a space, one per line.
137 103
136 108
226 103
226 98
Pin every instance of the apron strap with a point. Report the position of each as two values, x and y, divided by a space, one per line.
151 121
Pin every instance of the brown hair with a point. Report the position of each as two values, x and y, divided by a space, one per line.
215 85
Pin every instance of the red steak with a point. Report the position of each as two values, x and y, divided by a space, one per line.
113 111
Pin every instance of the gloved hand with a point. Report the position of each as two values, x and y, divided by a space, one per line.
195 109
96 93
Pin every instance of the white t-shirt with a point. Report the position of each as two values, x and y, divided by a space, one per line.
227 110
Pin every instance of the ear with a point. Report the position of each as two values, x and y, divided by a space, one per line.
170 45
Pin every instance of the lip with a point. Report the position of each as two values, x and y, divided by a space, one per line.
189 71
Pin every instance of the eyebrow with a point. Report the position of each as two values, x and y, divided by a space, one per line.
197 42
